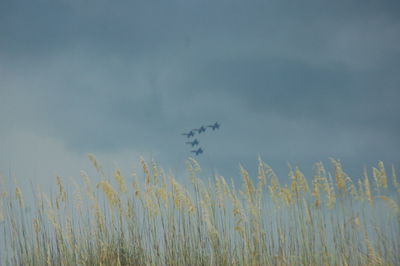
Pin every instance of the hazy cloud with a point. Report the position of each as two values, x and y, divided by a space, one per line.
292 81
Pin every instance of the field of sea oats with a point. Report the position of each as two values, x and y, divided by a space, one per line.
152 217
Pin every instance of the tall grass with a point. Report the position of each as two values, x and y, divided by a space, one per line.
151 218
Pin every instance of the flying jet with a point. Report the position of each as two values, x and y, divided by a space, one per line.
198 151
193 143
215 126
190 134
201 129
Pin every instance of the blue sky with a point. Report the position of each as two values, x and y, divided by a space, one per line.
293 81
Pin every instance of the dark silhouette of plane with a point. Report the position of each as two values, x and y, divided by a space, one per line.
198 151
201 129
190 134
193 143
215 126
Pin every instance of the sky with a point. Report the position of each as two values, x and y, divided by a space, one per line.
292 81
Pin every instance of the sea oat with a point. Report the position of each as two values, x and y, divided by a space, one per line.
109 191
367 188
120 180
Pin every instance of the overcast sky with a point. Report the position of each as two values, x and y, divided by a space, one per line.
293 81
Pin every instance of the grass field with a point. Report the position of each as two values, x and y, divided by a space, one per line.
151 218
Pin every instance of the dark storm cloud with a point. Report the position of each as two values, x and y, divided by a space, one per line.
40 27
278 84
299 90
292 80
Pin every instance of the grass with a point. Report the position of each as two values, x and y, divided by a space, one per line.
152 219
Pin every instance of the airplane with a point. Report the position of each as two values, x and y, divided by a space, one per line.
193 143
190 134
197 152
215 126
201 129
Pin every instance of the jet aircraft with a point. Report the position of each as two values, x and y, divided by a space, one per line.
193 143
201 129
190 134
198 151
215 126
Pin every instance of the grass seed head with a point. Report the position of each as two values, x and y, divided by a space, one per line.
367 188
394 179
340 176
18 195
146 171
382 173
110 193
120 180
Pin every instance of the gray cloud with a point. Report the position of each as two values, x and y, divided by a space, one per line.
295 82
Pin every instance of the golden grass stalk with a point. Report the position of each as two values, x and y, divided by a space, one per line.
145 171
316 194
367 188
248 187
109 191
394 180
339 175
120 180
96 164
18 195
150 202
62 194
163 222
